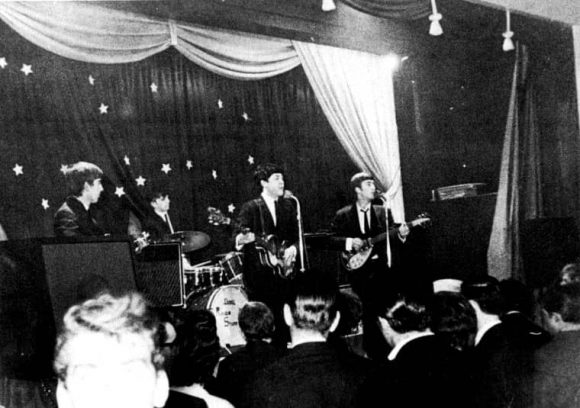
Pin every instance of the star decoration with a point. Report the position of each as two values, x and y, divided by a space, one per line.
250 160
45 204
231 208
63 168
153 87
140 180
17 169
27 69
120 191
126 160
246 117
91 80
220 104
214 174
3 63
189 164
166 168
103 108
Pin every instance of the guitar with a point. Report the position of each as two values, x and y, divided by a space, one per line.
270 249
354 260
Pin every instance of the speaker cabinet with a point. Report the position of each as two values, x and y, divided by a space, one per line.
547 244
159 274
76 271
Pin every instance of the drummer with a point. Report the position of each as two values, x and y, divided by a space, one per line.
157 222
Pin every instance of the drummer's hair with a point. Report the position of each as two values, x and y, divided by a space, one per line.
314 304
111 316
256 321
153 195
79 173
264 171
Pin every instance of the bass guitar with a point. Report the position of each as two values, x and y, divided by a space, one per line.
354 260
270 249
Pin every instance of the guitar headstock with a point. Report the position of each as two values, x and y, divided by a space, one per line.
423 219
216 217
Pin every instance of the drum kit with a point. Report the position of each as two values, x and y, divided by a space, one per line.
215 285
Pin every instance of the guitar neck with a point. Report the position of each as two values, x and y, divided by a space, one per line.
383 235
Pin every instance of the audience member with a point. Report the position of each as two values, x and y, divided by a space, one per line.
497 374
194 357
312 373
453 320
557 364
257 324
107 355
420 369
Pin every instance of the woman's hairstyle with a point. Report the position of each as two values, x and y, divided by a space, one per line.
110 316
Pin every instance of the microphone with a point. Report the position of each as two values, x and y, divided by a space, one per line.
288 194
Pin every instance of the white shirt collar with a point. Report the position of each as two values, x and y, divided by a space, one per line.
270 204
393 354
485 328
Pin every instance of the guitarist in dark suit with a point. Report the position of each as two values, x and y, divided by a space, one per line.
269 214
352 226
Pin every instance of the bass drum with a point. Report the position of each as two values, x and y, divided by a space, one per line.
225 303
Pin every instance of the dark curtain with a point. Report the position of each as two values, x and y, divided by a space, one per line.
51 117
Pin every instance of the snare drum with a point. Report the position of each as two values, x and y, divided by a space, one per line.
202 278
232 264
225 303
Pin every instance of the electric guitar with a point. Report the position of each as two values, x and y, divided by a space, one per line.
354 260
270 249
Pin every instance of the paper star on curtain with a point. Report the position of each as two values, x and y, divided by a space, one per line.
127 160
91 80
220 104
214 174
140 181
153 87
3 63
120 191
103 108
166 168
45 204
27 69
63 168
246 117
17 169
250 160
231 208
189 164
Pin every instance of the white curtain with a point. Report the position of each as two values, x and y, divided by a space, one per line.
355 90
88 32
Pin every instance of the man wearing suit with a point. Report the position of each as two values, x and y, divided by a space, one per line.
352 226
74 218
157 223
313 373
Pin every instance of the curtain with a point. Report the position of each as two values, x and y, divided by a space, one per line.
519 193
88 32
394 9
355 91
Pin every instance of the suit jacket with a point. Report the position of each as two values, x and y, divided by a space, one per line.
73 220
180 400
155 226
256 216
310 375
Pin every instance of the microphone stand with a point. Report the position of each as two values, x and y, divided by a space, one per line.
300 232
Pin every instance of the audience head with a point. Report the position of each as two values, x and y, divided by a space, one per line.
313 306
570 274
195 350
453 319
256 321
561 307
84 177
484 293
107 355
402 313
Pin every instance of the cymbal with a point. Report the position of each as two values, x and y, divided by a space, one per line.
191 240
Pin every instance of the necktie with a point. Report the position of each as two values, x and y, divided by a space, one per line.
168 222
367 228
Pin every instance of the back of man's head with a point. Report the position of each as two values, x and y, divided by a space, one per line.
564 300
77 174
256 321
404 313
485 291
313 304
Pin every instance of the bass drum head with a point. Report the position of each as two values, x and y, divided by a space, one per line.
225 303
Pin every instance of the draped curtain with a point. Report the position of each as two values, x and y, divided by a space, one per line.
92 33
